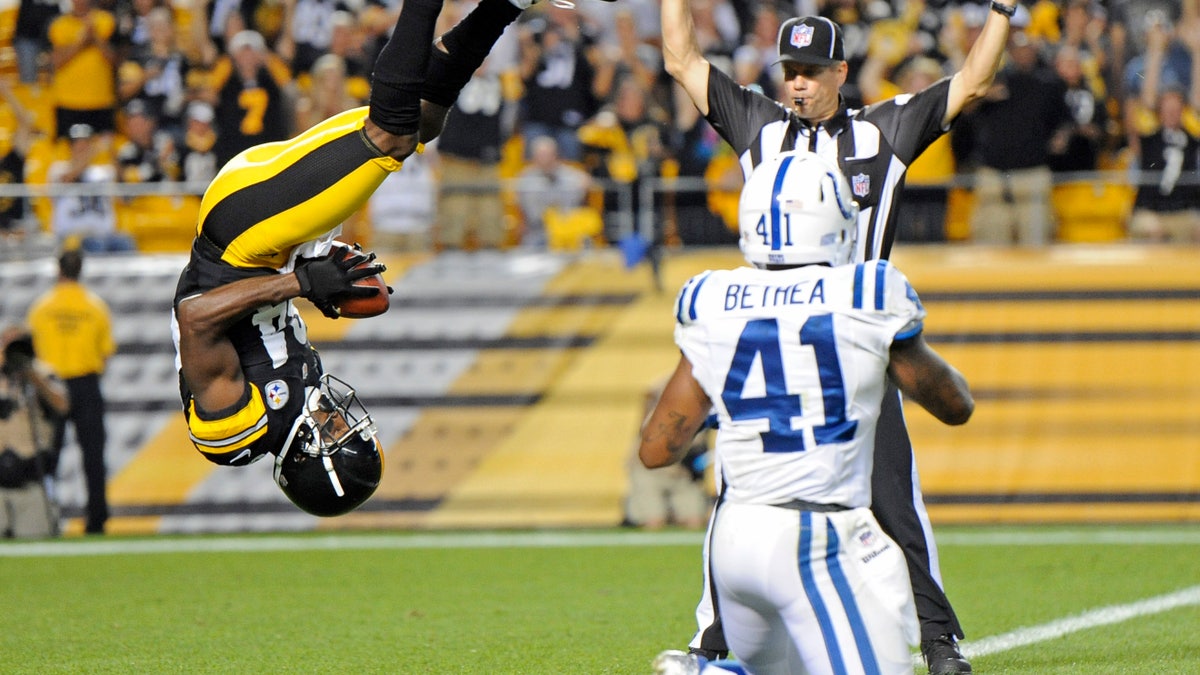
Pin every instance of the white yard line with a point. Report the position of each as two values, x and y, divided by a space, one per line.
555 539
346 542
1103 616
986 537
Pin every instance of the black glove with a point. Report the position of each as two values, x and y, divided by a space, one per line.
324 281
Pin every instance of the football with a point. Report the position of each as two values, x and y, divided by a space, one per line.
371 305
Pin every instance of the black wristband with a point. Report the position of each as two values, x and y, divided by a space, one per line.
1006 10
305 282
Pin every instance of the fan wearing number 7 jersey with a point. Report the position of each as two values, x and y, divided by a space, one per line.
794 355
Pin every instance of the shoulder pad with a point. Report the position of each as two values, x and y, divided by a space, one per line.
685 302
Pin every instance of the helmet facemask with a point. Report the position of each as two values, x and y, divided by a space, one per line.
332 461
332 417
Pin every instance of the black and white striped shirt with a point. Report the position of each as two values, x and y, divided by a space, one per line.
873 146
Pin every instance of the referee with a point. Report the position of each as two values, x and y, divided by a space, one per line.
72 333
873 147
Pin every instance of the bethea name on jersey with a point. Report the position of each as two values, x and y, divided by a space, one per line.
750 296
745 291
754 296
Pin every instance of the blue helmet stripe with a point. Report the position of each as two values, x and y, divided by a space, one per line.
847 211
858 286
880 282
775 208
679 300
695 295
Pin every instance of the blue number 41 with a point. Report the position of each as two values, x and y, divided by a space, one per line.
760 338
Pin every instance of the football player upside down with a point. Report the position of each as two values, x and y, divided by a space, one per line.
250 382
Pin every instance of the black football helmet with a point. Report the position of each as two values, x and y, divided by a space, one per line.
332 461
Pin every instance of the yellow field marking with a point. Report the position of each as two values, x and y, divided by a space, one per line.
567 320
1066 365
512 372
980 268
1062 316
570 450
988 514
443 446
165 471
1109 266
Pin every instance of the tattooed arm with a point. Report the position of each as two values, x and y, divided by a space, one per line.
925 377
668 432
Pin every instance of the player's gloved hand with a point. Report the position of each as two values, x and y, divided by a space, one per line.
358 247
325 280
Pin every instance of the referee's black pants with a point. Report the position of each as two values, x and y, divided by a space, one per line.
893 502
87 418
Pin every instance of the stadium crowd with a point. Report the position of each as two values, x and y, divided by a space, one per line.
144 91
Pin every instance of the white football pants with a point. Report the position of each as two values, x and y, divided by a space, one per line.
815 593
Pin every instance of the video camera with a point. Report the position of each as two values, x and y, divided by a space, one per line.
18 356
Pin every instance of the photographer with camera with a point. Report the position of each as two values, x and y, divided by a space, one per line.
30 398
72 333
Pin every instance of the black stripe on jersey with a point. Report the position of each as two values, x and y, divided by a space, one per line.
312 174
789 139
756 154
846 148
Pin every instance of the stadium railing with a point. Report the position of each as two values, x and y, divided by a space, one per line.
1089 206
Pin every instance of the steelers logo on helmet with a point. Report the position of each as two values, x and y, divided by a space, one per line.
796 209
332 461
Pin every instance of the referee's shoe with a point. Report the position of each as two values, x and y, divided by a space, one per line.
943 658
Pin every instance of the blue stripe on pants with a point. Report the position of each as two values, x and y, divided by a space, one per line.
814 595
861 638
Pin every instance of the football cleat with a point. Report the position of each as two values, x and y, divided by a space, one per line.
676 662
943 658
709 654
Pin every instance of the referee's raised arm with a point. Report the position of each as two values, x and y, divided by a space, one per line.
681 52
982 61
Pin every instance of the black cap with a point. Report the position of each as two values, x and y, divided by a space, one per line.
811 39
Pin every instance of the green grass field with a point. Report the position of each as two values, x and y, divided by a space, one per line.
1119 600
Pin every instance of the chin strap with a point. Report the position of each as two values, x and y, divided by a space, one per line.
333 477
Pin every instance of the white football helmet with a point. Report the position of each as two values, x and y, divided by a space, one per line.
796 210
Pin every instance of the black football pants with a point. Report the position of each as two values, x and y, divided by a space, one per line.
87 417
894 503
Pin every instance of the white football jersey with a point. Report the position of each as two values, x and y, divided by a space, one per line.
795 363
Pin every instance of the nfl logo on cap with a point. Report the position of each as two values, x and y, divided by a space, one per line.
801 35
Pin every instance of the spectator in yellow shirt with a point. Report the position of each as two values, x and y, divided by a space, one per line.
84 62
72 333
